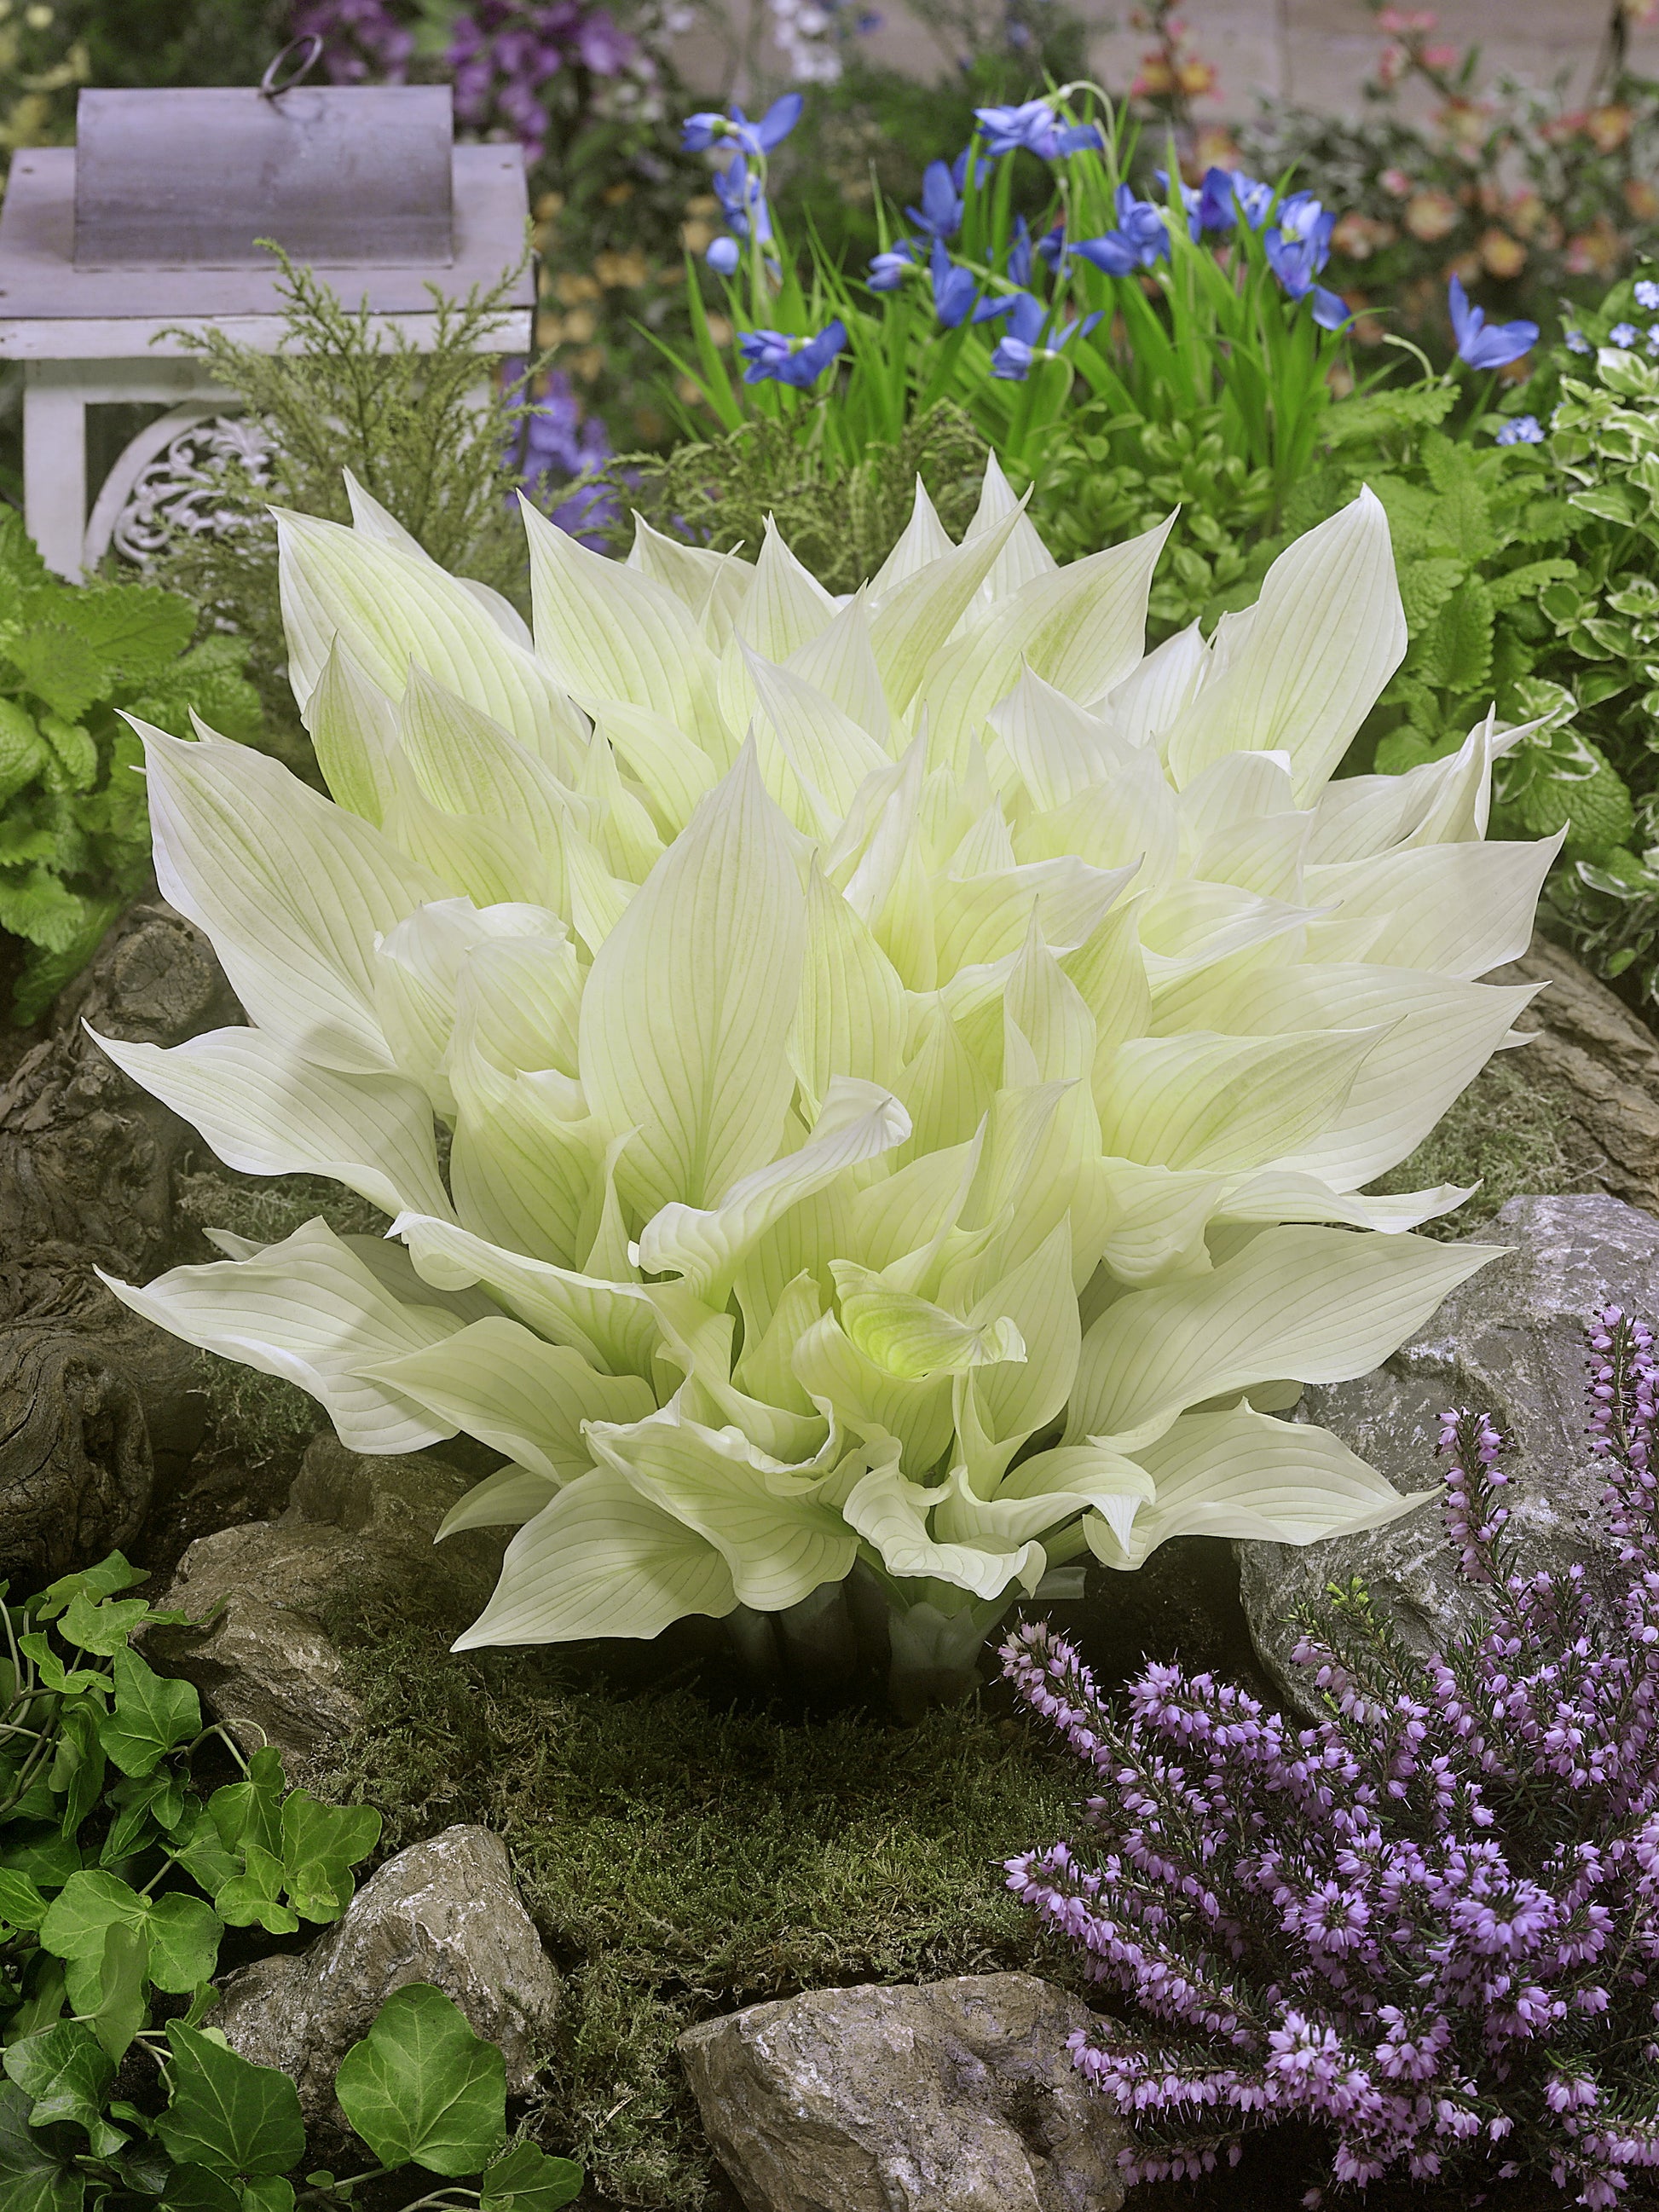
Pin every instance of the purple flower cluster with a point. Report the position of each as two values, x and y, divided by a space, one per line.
361 39
1428 1924
554 442
505 52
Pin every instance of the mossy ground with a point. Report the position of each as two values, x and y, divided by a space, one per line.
1509 1133
684 1857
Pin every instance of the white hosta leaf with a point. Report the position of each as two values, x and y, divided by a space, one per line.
467 764
1226 1102
291 892
611 1324
713 585
266 1111
506 1499
890 1513
310 1311
390 607
999 1406
687 1009
672 768
786 606
1057 748
859 1121
501 1383
1245 1474
912 1339
850 1016
1151 698
600 1560
1314 1305
923 540
841 662
1024 556
1048 1488
608 632
778 1539
419 970
1300 671
1453 909
912 620
851 1389
354 728
524 1166
828 756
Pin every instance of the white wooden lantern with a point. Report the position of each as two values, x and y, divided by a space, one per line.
146 227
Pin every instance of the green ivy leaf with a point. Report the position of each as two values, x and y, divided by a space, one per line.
422 2088
78 1765
321 1845
524 2180
153 1714
122 1990
183 1933
66 2076
101 1626
35 2175
197 2189
225 2113
110 1577
22 1903
141 1807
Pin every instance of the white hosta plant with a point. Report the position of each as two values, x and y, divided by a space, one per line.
913 1063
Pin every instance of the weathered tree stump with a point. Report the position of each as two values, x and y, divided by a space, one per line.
93 1401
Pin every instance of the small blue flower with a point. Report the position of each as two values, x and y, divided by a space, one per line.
939 215
1018 264
888 270
1035 126
701 132
1622 334
1140 239
1227 194
1018 351
724 256
1051 246
774 357
742 201
1296 262
1647 293
1577 342
1479 347
956 293
1524 430
1192 201
1303 218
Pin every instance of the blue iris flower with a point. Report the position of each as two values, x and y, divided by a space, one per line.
1481 347
1052 246
1304 218
701 132
1227 194
1191 199
1140 239
1019 253
742 201
1022 347
940 213
723 256
1296 262
1524 430
774 357
956 293
1035 126
888 270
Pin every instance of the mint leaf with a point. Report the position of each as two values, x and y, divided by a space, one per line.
233 2117
422 2088
59 667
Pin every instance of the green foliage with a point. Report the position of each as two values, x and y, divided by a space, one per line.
118 1880
684 1859
74 832
411 423
841 515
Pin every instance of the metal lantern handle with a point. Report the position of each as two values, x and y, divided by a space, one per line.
269 86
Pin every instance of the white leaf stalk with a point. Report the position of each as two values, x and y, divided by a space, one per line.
914 1061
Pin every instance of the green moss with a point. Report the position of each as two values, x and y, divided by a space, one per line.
1510 1133
682 1861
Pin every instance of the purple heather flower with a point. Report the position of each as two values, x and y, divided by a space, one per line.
362 39
1035 126
1481 347
939 215
776 358
701 132
1523 430
551 444
1429 1923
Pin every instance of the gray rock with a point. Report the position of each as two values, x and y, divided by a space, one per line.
955 2096
357 1536
1510 1343
444 1912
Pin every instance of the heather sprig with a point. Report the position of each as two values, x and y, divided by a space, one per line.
1430 1922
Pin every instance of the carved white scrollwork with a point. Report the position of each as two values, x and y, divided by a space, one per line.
170 479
